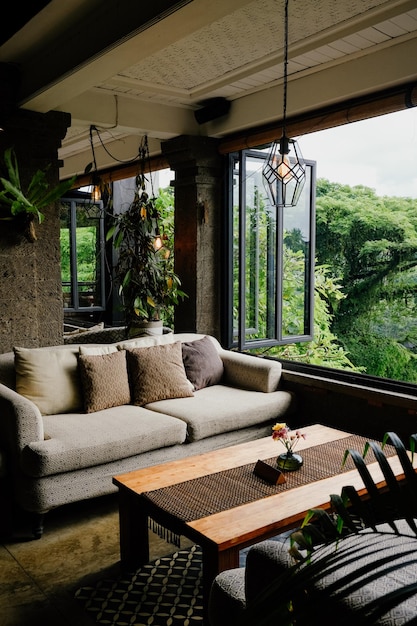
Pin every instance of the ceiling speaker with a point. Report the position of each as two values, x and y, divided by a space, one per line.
212 109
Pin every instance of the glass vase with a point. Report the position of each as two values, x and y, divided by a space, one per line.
289 461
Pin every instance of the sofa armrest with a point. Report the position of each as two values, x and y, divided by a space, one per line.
20 420
250 372
266 562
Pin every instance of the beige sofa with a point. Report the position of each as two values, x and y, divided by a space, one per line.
73 416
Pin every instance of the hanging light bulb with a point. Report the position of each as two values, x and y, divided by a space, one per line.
284 168
157 243
284 175
96 193
95 187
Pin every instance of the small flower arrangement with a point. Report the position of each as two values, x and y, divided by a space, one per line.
282 432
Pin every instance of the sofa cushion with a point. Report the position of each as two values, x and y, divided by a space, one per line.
104 380
146 341
157 373
49 377
79 440
219 409
79 331
202 362
97 334
97 350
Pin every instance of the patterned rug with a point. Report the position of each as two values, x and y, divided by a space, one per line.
166 592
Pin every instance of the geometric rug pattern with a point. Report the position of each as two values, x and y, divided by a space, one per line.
166 592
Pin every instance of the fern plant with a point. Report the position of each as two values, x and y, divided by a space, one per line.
27 204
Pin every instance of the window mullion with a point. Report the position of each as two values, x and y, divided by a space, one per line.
279 272
242 252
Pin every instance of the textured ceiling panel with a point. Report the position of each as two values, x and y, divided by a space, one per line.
241 38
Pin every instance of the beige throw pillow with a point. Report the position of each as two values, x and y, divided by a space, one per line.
104 380
157 373
49 377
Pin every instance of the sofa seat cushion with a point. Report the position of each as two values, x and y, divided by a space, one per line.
73 441
219 409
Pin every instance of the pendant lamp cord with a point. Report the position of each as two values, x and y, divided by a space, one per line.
285 67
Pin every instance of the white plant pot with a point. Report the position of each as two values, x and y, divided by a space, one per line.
146 328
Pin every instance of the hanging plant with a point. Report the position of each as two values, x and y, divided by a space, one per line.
148 284
26 206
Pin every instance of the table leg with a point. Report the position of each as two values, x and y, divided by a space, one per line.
215 562
134 537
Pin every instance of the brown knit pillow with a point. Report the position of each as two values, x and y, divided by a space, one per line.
157 373
202 363
104 380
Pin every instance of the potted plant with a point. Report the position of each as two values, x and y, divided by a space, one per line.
24 206
148 285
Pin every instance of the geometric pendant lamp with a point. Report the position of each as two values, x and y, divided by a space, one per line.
284 170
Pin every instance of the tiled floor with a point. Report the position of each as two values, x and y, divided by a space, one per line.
38 577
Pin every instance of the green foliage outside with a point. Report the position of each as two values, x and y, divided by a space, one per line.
324 349
370 242
365 284
86 262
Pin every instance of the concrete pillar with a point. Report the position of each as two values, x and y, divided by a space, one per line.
199 173
31 310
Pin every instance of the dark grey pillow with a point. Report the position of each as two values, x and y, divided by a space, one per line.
202 363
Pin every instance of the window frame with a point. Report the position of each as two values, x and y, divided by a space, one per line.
238 339
74 284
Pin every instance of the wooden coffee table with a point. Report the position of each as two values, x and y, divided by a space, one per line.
223 534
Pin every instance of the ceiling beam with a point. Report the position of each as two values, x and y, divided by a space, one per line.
321 87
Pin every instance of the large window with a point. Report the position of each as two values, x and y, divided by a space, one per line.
272 258
365 274
82 255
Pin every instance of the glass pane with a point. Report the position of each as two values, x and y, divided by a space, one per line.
260 257
65 242
296 264
88 257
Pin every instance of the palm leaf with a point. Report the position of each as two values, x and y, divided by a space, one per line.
12 167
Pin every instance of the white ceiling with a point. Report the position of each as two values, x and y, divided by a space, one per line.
131 69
